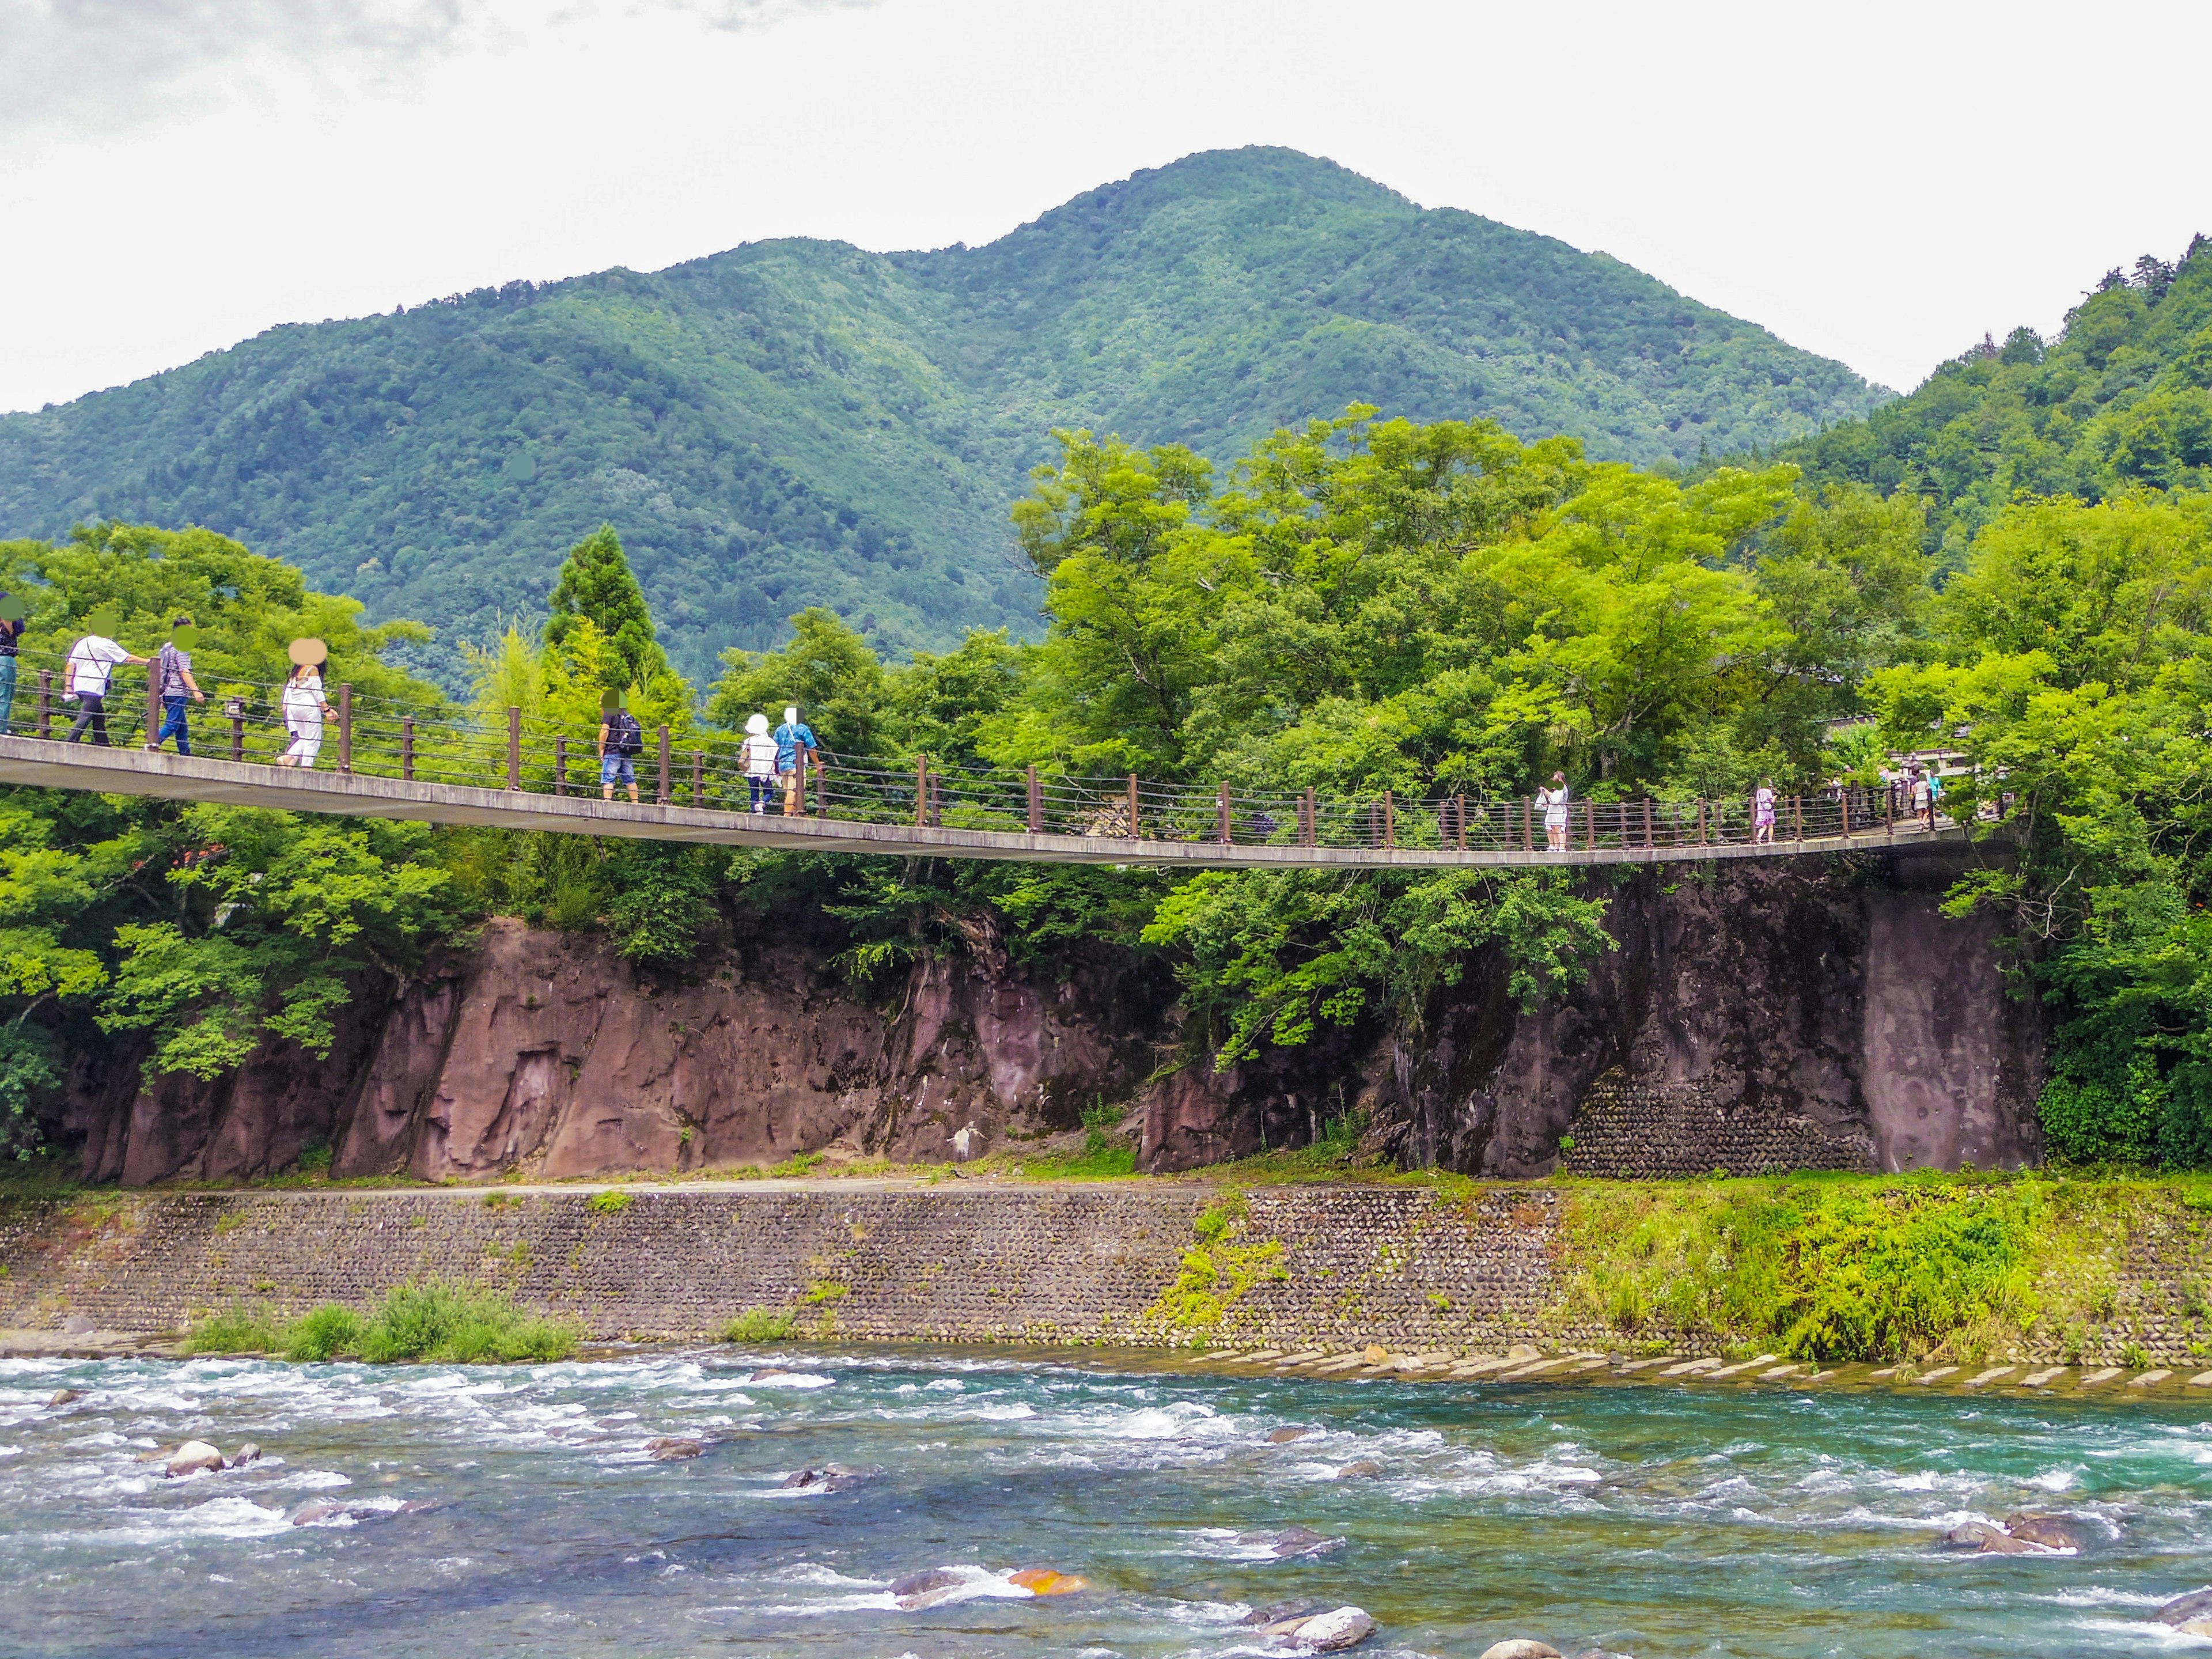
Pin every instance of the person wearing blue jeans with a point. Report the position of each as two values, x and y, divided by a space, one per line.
174 670
11 631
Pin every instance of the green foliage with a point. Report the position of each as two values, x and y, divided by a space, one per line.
760 1325
2120 403
1819 1270
434 1321
798 424
610 1203
664 898
1219 1270
597 585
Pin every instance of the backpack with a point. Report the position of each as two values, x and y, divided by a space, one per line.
627 735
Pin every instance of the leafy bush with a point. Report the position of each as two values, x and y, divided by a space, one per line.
760 1325
610 1203
436 1321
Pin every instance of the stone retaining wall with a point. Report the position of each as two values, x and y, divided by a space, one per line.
1627 1129
1119 1263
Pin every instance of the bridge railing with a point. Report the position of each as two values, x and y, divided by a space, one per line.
531 752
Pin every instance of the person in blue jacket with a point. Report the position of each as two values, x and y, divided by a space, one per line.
793 739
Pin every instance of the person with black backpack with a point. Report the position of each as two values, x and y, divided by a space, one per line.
621 740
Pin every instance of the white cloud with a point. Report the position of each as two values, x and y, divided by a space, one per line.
1881 183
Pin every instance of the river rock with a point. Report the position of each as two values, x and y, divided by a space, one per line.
2191 1612
78 1325
1293 1540
1331 1631
1280 1613
248 1452
159 1454
1524 1353
1987 1540
1365 1469
2049 1530
830 1477
1520 1647
921 1583
319 1510
418 1506
1283 1436
1375 1353
62 1397
193 1457
1042 1581
672 1449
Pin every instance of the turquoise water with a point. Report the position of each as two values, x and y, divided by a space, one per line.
1653 1521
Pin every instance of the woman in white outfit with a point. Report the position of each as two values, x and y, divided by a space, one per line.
760 762
304 710
1554 801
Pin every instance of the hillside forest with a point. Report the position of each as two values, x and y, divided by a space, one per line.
1363 603
797 424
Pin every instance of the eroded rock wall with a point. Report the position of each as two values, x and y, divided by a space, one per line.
1796 1014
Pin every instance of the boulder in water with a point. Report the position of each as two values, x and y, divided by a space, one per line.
193 1457
672 1449
1365 1469
920 1584
830 1477
248 1452
1283 1436
2192 1613
61 1397
1042 1581
1987 1540
1280 1613
1520 1647
418 1506
1292 1541
2050 1531
307 1513
1329 1632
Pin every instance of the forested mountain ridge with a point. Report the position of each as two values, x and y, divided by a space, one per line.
2120 401
798 422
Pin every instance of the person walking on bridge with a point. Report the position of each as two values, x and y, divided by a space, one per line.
621 740
795 747
1762 811
174 673
91 665
304 713
1553 804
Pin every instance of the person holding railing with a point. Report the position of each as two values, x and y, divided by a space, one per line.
91 665
795 747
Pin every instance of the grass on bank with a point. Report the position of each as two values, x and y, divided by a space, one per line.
436 1321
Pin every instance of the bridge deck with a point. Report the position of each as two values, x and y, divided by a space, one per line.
133 771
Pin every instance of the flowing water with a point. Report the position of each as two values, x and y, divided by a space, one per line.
1654 1520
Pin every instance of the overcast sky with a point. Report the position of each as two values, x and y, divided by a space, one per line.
1879 182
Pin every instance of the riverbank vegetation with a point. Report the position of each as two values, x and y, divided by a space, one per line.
435 1320
1360 605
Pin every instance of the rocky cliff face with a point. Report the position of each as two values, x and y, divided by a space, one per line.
1799 1014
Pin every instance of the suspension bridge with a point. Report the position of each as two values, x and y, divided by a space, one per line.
383 759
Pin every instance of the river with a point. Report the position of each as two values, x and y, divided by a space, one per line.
1658 1521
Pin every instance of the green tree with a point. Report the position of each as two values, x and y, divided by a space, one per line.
596 584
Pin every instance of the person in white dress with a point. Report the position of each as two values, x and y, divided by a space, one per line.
304 712
1552 802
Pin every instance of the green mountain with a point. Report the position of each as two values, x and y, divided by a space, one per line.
800 423
2122 400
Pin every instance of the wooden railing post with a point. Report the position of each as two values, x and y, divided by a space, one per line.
46 703
345 726
153 702
235 708
1647 823
1036 802
1390 821
660 794
699 777
407 748
1589 826
1134 828
560 765
921 790
1312 829
1797 816
513 747
1228 822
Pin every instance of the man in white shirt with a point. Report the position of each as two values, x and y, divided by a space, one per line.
92 662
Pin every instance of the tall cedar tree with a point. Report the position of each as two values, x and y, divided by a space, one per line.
597 582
